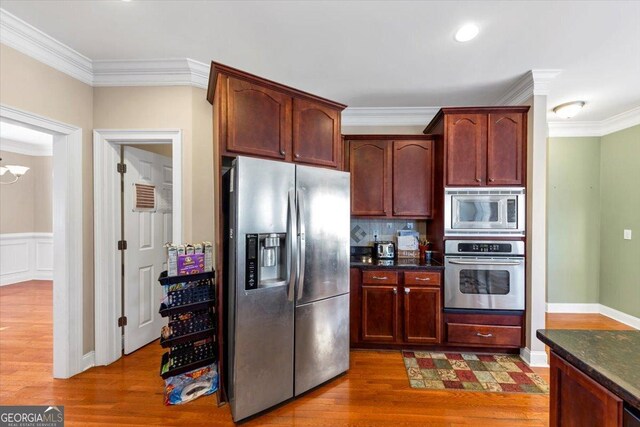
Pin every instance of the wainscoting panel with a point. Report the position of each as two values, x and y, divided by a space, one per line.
25 256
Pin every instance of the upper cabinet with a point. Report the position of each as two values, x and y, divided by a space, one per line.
482 145
391 175
257 117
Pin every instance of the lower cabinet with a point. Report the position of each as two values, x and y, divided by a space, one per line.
485 330
380 313
396 310
422 313
577 400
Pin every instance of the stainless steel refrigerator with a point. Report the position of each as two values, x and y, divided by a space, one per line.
287 281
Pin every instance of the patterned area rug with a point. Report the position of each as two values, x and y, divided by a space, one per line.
468 371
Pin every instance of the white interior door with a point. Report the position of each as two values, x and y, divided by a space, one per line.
147 220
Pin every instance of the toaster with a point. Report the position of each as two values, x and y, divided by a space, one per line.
384 250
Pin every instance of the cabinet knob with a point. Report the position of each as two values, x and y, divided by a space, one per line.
395 291
407 290
491 179
297 156
478 180
283 152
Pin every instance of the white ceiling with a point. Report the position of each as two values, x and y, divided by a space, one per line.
374 54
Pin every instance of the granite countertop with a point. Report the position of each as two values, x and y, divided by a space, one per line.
365 262
612 358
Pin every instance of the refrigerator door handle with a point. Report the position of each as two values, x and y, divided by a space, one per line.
301 243
291 245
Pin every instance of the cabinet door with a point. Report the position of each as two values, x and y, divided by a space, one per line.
505 146
316 134
370 164
258 120
465 149
577 400
379 313
422 314
355 283
412 178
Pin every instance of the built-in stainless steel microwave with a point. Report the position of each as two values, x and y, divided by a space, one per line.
487 211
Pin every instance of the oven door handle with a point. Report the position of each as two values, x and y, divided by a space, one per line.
485 262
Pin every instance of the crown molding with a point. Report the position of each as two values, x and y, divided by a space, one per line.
151 72
25 148
394 116
27 39
605 127
533 82
32 42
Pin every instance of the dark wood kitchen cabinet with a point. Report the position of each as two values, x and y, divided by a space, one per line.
369 164
380 313
483 146
257 117
395 308
391 175
412 178
577 400
267 111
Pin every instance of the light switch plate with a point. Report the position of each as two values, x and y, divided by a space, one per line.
410 225
627 234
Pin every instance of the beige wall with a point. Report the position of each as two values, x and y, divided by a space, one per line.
25 206
31 86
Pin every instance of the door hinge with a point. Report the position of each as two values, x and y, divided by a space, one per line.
122 245
122 321
122 168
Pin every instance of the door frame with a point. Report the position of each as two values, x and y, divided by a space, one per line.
107 222
67 237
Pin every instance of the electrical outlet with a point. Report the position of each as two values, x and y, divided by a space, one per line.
627 234
410 226
389 225
376 234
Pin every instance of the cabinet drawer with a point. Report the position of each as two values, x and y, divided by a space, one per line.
507 336
381 277
421 278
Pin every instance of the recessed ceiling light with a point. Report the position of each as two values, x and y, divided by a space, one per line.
467 32
568 109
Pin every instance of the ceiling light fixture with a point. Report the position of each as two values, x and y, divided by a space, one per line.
568 109
467 32
15 170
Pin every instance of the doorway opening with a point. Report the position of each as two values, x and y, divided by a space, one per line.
138 208
66 243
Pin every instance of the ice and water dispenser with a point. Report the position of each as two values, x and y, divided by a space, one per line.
265 262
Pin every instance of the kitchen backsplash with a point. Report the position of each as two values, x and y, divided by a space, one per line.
363 231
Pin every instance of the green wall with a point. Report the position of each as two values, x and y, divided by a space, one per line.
593 194
573 220
620 209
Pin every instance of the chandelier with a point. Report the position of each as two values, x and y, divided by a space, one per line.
15 170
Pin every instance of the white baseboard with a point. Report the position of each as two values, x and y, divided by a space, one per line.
621 317
25 256
534 358
612 313
572 308
88 360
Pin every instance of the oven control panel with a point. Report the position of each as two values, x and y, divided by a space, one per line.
504 248
484 247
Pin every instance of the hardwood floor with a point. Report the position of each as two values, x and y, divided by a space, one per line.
375 391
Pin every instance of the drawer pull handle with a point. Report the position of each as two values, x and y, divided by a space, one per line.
380 278
426 279
484 335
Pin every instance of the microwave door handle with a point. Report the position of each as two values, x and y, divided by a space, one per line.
485 262
302 244
291 245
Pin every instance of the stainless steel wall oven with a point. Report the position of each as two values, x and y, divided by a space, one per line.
484 275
